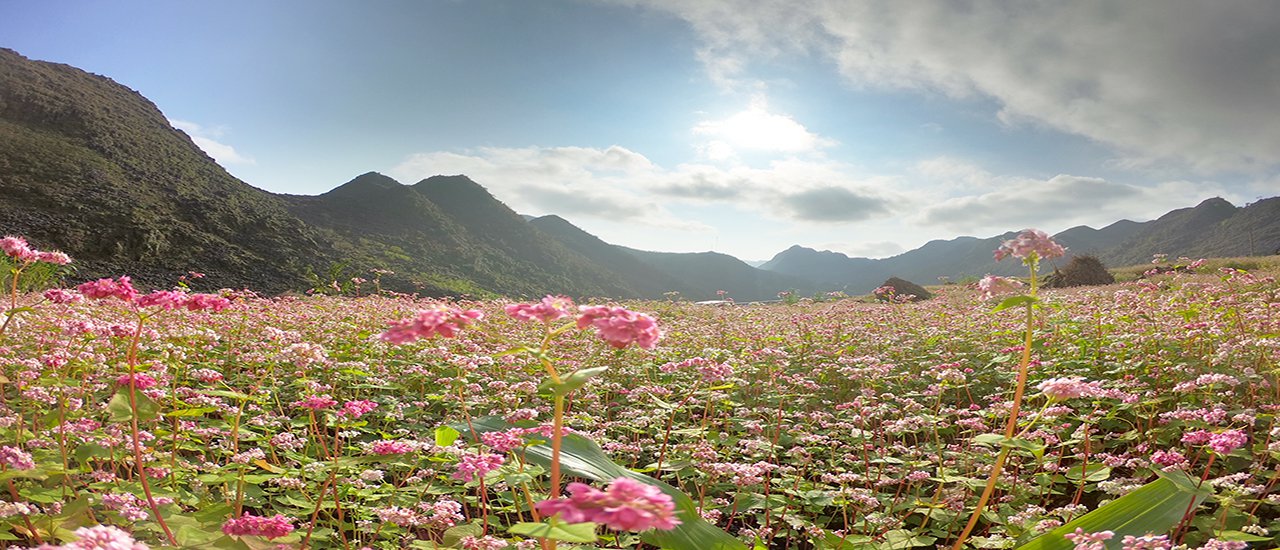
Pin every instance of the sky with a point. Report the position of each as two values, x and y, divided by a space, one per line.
743 127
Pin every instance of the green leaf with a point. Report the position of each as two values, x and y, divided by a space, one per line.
581 457
1036 449
198 411
1015 301
455 534
557 530
120 411
445 436
1154 508
573 381
1096 472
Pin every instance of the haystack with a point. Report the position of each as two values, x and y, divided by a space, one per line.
1082 271
903 287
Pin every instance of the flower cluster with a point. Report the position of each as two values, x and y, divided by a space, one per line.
16 459
18 249
546 311
621 327
472 465
123 290
625 505
1071 387
99 537
1029 242
272 527
442 319
993 285
1089 541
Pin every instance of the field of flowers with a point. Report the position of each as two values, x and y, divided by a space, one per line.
392 422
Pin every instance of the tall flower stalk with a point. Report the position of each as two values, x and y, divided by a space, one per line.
1031 246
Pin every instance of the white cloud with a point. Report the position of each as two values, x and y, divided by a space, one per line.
616 183
1189 82
874 249
1062 201
204 138
756 129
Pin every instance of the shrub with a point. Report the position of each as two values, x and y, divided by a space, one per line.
1082 271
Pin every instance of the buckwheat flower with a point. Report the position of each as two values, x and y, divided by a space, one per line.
993 285
1089 541
270 528
1198 437
1225 442
503 441
471 465
486 542
249 456
1168 458
1145 542
102 289
1216 544
1059 389
137 380
61 296
53 257
14 458
17 248
206 302
100 537
546 311
316 402
357 408
163 299
1030 241
390 447
620 326
625 505
442 320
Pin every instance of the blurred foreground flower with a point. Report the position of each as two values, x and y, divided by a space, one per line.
626 505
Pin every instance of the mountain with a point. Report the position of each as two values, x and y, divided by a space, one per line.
646 279
709 272
1213 228
93 168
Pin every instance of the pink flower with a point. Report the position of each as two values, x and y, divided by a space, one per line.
620 326
102 289
503 441
316 402
390 447
625 505
357 408
99 537
546 311
163 299
53 257
1225 442
16 459
442 319
1146 542
1030 241
1089 541
1198 437
18 249
1059 389
992 285
61 296
272 527
471 465
1168 458
138 380
202 302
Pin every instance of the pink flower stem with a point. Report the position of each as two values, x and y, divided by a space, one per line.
132 359
13 493
1011 425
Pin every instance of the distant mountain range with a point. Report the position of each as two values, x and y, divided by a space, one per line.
94 169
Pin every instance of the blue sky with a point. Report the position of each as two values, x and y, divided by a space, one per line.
745 127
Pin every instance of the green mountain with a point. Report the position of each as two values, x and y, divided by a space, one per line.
1214 228
93 168
709 272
